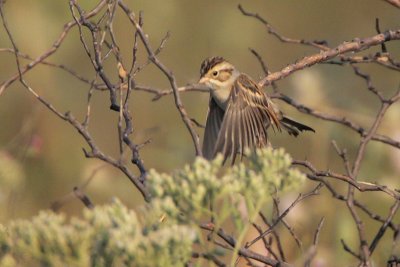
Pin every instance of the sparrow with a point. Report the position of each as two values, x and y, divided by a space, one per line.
239 112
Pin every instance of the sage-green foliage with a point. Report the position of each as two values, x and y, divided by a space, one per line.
113 235
186 194
109 235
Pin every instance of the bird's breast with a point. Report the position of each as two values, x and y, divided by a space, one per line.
221 96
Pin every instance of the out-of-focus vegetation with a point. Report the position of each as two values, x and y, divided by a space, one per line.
41 157
164 233
109 235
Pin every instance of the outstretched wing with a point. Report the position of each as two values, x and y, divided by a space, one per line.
248 115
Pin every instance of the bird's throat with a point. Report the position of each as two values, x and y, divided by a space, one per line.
221 97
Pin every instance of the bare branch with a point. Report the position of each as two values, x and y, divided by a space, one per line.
97 153
337 119
354 46
95 59
364 141
384 226
348 249
209 256
300 198
364 249
395 3
384 60
53 49
313 249
284 39
168 74
245 252
160 93
361 186
83 197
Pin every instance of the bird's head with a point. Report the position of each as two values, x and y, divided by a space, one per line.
217 73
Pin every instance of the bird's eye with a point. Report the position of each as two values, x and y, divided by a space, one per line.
215 73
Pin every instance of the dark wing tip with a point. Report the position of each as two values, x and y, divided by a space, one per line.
303 127
289 123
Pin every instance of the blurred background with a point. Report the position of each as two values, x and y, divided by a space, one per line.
41 156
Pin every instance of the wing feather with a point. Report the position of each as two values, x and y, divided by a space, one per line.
246 119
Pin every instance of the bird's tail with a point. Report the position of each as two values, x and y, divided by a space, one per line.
294 127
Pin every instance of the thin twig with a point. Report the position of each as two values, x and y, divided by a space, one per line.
83 197
67 27
300 198
313 249
168 73
245 252
337 119
361 186
348 249
384 226
356 45
395 3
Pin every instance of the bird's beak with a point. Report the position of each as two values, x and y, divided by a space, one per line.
203 80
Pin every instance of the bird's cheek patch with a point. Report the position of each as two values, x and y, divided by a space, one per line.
224 76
